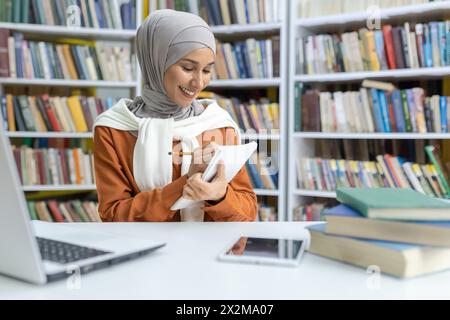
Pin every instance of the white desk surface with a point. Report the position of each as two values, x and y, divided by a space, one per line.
187 268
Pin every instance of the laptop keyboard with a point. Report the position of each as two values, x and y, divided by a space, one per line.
63 252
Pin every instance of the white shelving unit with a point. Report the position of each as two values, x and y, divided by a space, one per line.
73 32
65 187
248 83
104 88
254 30
88 135
302 144
68 83
247 28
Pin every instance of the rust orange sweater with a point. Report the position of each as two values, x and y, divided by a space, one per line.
121 200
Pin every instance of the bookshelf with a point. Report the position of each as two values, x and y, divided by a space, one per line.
133 88
241 32
102 88
303 144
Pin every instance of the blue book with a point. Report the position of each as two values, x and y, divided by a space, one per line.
361 174
328 173
384 110
379 43
212 18
247 16
18 38
377 111
435 40
256 179
109 102
274 178
239 61
346 221
4 113
427 46
76 60
443 111
412 109
393 258
20 123
100 14
262 45
398 110
60 12
34 60
442 43
51 61
246 57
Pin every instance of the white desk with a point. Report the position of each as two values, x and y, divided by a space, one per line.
186 268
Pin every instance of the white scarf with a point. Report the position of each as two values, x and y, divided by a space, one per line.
152 164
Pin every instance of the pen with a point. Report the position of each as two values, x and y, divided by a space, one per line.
181 153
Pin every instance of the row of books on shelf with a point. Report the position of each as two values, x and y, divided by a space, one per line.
263 174
110 14
260 116
64 211
400 231
226 12
373 110
387 171
252 58
368 149
266 213
423 45
54 166
309 212
56 114
69 59
319 8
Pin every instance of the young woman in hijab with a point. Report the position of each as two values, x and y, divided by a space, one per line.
137 179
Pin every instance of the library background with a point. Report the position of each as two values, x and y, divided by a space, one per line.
336 93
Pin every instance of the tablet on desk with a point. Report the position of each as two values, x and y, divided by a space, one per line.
271 251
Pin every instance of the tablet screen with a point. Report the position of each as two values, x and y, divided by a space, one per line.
266 248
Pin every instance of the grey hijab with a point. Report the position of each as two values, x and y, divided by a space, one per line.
164 38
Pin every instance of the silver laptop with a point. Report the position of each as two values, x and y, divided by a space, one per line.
40 252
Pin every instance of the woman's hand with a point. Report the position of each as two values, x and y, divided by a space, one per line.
201 158
197 189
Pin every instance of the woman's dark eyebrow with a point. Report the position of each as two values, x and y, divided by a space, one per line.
196 62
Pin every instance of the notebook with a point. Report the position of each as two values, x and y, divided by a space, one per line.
394 203
234 158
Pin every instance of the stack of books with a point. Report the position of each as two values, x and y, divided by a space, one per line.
403 232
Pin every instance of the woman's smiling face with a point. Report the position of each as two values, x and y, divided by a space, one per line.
185 79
